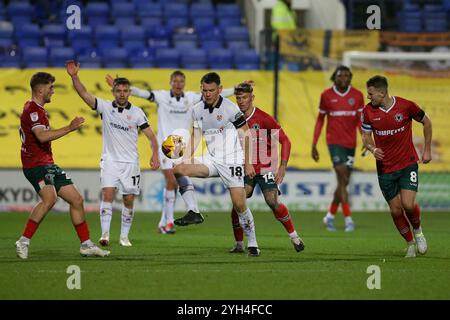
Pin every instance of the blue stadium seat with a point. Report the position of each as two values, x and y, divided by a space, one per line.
115 58
107 36
237 45
185 45
184 36
194 59
54 35
97 13
6 43
149 10
177 23
236 34
160 33
143 58
122 9
80 39
150 23
133 37
246 59
6 30
121 22
411 25
228 10
158 43
28 35
203 10
201 24
19 9
34 57
211 44
215 33
229 22
167 58
59 56
10 59
220 59
90 59
175 10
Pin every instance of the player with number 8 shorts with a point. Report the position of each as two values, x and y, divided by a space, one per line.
266 133
389 119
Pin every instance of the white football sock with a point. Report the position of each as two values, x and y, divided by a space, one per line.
187 193
330 215
105 216
248 225
293 235
169 207
127 220
348 220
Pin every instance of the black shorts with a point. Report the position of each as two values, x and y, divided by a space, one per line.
265 181
47 175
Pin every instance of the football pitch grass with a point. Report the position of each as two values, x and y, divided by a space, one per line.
195 263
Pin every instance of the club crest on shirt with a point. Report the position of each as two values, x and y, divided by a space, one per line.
219 117
351 101
398 117
34 116
256 126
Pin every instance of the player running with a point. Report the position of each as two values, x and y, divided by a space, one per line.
264 128
49 180
389 118
120 159
226 134
342 104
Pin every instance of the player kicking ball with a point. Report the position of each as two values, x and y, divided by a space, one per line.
263 128
120 158
389 119
226 134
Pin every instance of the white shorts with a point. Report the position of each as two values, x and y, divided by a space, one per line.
165 163
124 176
232 175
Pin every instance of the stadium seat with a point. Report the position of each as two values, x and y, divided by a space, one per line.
229 22
215 33
236 45
34 57
54 35
90 59
122 9
10 61
236 34
175 10
185 44
80 39
142 58
158 43
246 59
194 59
115 58
17 9
59 56
6 30
106 36
184 36
202 10
133 37
201 24
220 59
167 58
228 10
121 22
6 43
211 44
28 35
177 23
149 10
150 23
97 13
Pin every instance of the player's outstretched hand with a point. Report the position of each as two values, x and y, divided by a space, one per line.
280 175
249 170
109 80
154 161
76 123
72 67
314 153
426 156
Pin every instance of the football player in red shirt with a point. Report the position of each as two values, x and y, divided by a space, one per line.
342 104
49 180
389 119
264 128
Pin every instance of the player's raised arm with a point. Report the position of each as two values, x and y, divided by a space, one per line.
154 161
427 133
72 68
44 135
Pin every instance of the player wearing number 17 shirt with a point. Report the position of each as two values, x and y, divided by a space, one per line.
225 130
389 119
266 133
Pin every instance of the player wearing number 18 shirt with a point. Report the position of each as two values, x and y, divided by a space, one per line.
389 119
266 133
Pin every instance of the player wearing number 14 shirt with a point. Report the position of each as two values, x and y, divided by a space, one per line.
266 133
389 119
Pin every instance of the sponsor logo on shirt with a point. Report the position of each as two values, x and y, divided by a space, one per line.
118 126
389 132
178 111
343 113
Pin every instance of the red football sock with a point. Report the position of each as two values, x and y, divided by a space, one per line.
403 227
82 231
30 228
333 208
282 215
414 216
346 210
237 229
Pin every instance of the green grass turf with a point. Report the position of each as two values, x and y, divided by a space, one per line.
195 263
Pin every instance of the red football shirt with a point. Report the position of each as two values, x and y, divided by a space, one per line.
34 153
263 128
392 131
343 111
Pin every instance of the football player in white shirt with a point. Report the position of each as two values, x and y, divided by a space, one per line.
227 135
173 118
120 159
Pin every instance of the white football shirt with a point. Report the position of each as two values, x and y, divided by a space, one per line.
120 130
218 128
